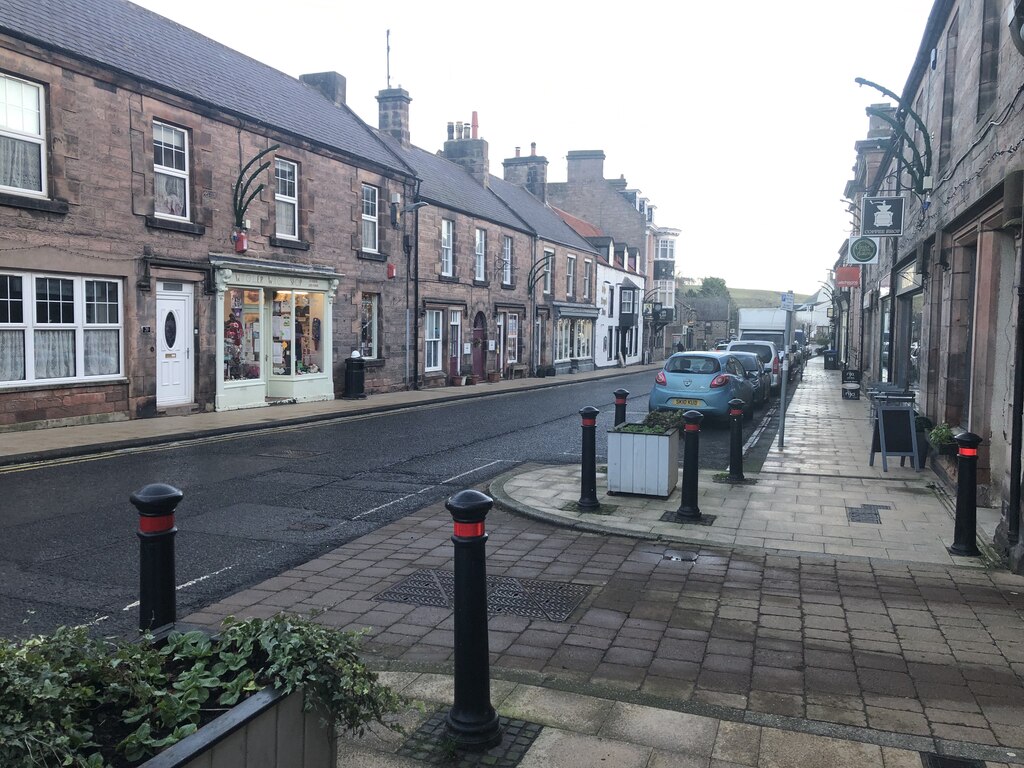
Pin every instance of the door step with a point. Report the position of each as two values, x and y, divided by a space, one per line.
281 400
186 409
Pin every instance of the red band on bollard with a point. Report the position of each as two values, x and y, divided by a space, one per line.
620 401
738 412
691 428
161 524
589 422
468 530
968 451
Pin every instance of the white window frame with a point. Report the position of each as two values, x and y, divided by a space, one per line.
17 132
447 244
370 351
570 276
455 335
563 340
512 344
171 171
78 323
370 197
583 336
549 261
506 261
588 269
286 196
667 249
626 301
481 255
432 340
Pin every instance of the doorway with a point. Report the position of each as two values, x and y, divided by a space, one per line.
175 367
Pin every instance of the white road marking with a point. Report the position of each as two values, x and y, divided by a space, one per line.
185 585
428 488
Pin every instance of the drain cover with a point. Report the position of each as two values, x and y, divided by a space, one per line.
552 600
931 760
866 513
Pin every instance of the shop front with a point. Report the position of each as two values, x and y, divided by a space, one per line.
274 326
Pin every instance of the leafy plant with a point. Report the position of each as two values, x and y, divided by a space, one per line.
656 423
941 434
71 700
923 423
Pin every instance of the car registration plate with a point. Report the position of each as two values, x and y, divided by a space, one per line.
686 401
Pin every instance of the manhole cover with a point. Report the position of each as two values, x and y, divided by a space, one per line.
931 760
552 600
866 513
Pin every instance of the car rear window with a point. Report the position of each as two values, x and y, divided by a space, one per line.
749 363
763 351
692 365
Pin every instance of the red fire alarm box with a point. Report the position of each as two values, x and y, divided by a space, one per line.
391 271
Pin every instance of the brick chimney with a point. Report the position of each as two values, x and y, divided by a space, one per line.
393 114
330 84
529 172
467 150
586 165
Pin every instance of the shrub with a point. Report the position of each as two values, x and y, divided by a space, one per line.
941 434
71 700
656 423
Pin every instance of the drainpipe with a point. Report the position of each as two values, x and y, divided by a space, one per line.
416 291
1016 417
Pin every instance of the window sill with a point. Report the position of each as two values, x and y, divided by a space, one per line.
284 242
373 362
482 283
448 279
508 286
34 203
371 256
187 227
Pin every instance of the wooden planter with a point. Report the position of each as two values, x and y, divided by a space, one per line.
645 465
493 376
268 729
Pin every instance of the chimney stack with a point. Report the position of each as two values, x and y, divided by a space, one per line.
331 85
531 172
393 114
467 150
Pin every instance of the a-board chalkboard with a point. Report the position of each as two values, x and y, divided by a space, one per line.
894 434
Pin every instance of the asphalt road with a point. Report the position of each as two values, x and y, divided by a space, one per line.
257 503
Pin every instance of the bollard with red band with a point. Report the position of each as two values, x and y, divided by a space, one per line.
965 526
156 504
688 511
472 722
620 405
736 408
588 466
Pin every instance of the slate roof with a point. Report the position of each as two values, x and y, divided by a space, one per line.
148 47
448 185
541 217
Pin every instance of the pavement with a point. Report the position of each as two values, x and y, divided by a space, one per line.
782 633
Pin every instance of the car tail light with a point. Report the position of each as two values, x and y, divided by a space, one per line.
660 378
775 366
719 381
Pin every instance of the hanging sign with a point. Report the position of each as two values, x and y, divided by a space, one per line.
882 216
863 250
848 277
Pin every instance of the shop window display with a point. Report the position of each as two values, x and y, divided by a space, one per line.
297 324
242 334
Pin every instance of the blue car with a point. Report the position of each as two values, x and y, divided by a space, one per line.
702 381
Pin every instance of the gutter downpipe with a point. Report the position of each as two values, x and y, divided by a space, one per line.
416 291
1016 416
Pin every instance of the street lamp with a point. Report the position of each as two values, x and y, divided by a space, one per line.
412 265
538 270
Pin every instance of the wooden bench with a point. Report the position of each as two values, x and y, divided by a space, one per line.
515 369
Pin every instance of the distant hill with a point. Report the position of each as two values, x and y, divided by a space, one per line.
751 297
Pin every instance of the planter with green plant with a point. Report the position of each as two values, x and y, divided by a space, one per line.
72 700
643 459
922 425
942 438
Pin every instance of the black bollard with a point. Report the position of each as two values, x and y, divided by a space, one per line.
965 526
620 405
156 504
736 439
472 721
588 467
688 509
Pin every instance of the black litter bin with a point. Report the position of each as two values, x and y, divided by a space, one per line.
355 377
831 360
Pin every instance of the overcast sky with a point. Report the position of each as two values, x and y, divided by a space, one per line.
736 118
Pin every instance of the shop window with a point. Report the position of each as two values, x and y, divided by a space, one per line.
432 340
297 319
170 172
583 348
22 137
286 177
513 338
242 343
74 331
369 326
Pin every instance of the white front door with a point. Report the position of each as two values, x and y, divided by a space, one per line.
174 364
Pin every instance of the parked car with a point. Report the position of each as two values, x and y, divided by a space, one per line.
702 381
760 377
769 354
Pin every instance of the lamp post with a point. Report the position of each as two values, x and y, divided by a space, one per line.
412 271
538 270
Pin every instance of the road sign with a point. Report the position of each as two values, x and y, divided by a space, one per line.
786 301
863 250
882 216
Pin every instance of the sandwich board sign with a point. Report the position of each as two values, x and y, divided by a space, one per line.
882 216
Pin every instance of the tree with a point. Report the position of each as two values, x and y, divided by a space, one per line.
713 286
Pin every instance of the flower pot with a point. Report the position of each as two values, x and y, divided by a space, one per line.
645 465
493 376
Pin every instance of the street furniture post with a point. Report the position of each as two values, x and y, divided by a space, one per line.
736 439
156 504
965 536
620 405
688 509
588 468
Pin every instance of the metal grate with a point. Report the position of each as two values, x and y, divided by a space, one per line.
552 600
931 760
866 513
431 744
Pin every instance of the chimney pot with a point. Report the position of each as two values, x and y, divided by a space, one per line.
475 124
451 131
533 149
517 151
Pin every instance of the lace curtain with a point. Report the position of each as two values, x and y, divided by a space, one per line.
54 354
12 355
102 353
20 165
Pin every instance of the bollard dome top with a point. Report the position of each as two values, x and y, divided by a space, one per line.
156 499
967 440
469 506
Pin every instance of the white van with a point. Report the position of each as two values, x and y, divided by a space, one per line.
768 353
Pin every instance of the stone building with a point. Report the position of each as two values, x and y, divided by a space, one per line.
938 313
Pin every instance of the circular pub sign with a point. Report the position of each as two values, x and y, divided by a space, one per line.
863 250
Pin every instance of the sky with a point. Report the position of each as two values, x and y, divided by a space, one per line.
737 119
